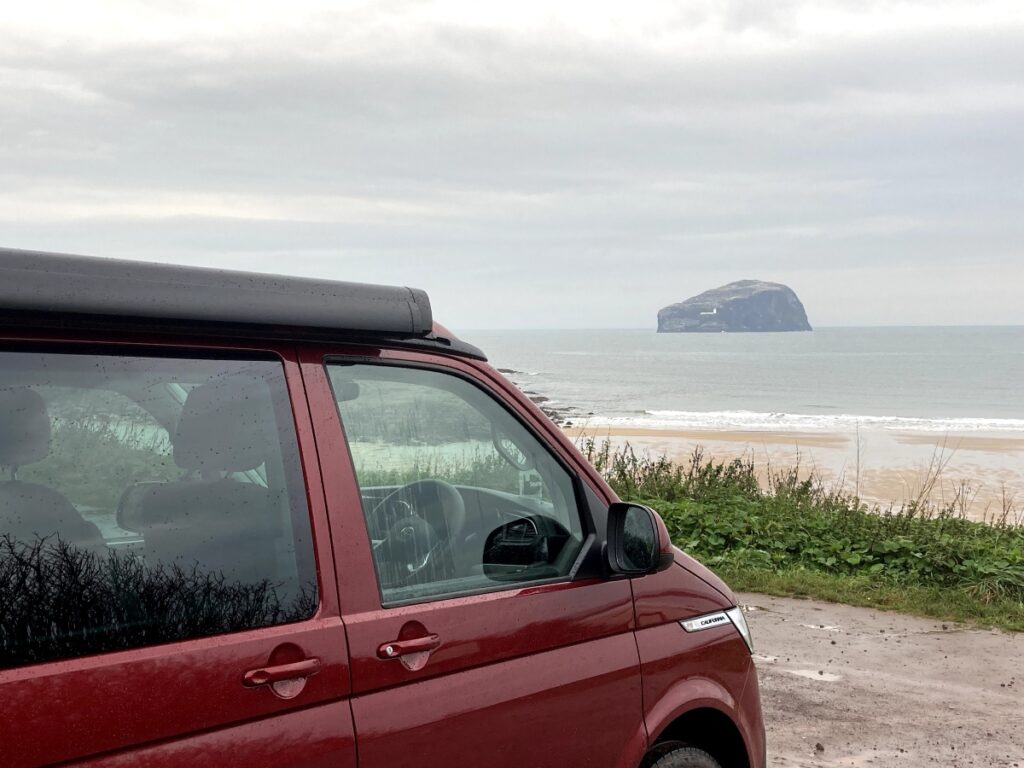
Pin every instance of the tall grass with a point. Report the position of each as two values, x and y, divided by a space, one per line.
101 445
482 467
722 514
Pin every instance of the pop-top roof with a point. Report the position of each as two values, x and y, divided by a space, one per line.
48 289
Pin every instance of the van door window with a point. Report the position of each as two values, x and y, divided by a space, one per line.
458 495
145 500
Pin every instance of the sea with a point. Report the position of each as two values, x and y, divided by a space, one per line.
907 379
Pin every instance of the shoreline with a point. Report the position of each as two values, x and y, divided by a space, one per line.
981 474
722 435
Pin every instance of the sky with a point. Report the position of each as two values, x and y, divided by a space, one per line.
535 164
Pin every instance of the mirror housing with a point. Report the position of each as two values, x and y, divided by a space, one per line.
519 546
638 541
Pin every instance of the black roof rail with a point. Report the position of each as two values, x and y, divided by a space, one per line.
59 290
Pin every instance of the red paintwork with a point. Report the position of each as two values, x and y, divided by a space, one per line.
576 705
704 574
665 546
291 740
750 721
579 673
484 629
682 671
674 594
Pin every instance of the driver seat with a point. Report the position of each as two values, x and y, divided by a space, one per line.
424 545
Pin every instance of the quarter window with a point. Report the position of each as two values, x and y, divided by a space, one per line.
145 500
458 495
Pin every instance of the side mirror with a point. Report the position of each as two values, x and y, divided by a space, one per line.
638 541
522 545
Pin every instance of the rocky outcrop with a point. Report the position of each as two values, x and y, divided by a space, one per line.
746 305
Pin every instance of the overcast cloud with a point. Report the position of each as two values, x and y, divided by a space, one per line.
587 164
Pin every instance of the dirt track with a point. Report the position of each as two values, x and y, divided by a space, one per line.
882 689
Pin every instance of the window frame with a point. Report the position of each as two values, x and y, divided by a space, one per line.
293 398
588 528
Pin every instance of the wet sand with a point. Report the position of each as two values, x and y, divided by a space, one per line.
981 473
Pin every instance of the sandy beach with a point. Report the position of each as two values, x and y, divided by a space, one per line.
981 472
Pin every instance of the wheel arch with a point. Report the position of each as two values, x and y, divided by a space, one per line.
699 712
704 727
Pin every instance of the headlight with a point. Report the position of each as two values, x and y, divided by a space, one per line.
740 622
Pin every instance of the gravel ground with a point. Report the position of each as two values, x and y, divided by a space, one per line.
846 686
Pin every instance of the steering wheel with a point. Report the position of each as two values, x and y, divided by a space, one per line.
416 521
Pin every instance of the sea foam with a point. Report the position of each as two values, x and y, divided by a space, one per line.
801 422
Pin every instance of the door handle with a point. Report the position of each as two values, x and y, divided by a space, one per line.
280 673
398 648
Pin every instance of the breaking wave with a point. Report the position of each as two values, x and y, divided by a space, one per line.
800 422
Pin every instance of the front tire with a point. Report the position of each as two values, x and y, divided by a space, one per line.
687 757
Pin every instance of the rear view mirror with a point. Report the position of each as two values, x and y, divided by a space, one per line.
638 541
509 450
345 390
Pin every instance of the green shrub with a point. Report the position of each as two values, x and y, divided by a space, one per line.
485 469
718 512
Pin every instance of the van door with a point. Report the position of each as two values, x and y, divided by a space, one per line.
480 628
168 592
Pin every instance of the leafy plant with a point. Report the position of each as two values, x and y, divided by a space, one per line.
786 522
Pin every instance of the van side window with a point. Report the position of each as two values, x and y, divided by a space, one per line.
458 495
146 500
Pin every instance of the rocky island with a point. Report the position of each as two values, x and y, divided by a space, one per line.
746 305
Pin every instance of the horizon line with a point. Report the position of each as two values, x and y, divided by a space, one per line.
732 333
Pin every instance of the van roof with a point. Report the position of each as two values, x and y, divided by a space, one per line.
49 289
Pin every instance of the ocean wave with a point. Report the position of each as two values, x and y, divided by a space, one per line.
801 422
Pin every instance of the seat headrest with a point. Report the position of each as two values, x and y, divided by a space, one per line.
225 426
24 427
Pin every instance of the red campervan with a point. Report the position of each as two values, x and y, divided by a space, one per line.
269 521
